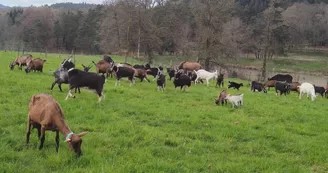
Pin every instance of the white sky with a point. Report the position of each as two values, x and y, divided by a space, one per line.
24 3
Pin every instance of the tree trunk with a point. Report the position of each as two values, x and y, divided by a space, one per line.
118 31
207 63
128 41
264 66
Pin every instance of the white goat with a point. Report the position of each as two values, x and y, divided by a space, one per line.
236 100
203 74
308 89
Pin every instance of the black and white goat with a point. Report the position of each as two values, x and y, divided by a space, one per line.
123 71
78 78
160 81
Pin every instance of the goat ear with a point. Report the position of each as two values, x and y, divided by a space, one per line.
34 99
68 140
82 134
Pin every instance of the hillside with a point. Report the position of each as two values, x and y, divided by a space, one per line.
3 6
72 5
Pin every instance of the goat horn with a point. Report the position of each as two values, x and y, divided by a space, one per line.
82 134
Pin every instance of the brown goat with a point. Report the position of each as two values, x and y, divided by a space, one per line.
35 65
21 61
293 86
103 67
270 83
46 114
189 66
222 97
141 74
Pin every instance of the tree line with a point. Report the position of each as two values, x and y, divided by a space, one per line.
212 30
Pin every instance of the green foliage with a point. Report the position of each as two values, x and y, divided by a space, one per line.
137 129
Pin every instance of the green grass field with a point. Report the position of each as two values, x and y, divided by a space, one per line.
137 129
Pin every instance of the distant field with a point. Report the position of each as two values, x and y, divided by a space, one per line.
137 129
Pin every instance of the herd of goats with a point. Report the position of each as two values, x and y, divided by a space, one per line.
46 114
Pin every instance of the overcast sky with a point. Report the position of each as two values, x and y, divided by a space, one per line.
25 3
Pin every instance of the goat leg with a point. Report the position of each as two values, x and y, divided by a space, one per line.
69 94
60 88
28 131
42 137
57 140
53 85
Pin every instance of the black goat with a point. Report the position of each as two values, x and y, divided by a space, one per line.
137 66
219 81
108 59
258 86
181 80
171 72
124 72
87 68
320 90
283 87
235 85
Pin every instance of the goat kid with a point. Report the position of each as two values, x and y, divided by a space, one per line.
235 100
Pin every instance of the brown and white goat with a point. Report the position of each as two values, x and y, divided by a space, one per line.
21 61
46 114
35 65
221 99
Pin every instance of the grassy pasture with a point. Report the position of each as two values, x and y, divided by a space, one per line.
137 129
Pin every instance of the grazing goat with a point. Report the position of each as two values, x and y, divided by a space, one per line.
46 114
258 86
181 80
283 87
320 90
219 80
141 74
123 71
222 98
160 81
35 65
269 84
21 61
78 78
203 74
293 86
235 85
235 100
308 89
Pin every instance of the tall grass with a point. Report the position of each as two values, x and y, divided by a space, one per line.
137 129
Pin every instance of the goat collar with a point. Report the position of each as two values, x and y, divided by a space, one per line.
70 69
69 135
